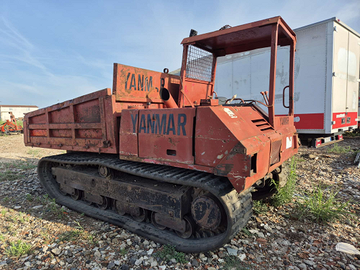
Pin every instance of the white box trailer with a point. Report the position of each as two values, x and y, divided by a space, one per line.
327 64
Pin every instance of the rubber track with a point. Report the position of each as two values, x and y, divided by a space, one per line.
238 207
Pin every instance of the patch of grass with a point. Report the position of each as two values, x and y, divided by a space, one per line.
2 238
21 217
234 263
69 236
29 197
337 149
17 249
6 199
8 176
92 240
74 234
355 153
47 238
53 206
44 199
352 134
286 193
168 252
26 166
22 165
78 226
34 152
246 231
14 219
11 230
10 171
321 206
123 251
55 209
3 212
260 207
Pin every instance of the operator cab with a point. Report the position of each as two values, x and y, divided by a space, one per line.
200 54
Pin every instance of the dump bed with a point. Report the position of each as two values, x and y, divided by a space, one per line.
90 123
87 123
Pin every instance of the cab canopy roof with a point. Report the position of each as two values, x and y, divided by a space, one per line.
243 38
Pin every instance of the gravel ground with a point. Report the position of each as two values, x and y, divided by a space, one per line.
58 238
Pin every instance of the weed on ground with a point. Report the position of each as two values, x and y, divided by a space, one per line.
337 149
286 193
8 176
168 252
69 236
14 170
260 207
78 233
321 206
352 134
55 209
17 249
34 152
234 263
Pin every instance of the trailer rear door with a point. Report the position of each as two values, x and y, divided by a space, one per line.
345 72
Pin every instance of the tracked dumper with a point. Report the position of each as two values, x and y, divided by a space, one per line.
161 155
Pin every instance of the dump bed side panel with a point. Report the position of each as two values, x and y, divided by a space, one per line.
87 123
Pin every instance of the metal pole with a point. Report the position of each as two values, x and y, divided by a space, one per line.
274 43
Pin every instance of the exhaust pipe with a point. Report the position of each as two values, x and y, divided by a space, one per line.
167 98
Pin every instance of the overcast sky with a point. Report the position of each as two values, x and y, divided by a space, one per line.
52 51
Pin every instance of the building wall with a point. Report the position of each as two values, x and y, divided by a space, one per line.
18 111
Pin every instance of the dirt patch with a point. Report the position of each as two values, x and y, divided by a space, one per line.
13 149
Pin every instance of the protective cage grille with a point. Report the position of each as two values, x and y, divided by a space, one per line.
199 64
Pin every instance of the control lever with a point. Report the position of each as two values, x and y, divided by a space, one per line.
230 100
265 96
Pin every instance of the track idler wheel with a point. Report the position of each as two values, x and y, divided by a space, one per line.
206 212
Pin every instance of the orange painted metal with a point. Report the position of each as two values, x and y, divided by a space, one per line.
158 134
10 126
86 123
140 87
185 127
